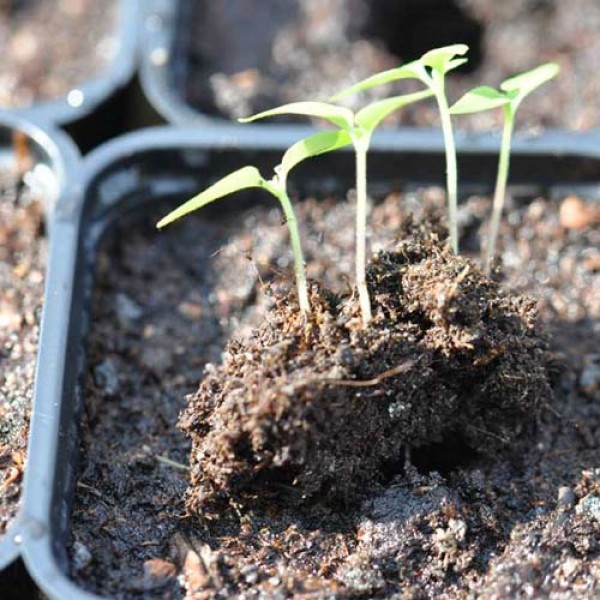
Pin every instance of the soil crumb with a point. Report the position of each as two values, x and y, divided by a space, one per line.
313 406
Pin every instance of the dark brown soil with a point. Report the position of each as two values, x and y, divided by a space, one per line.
22 262
49 48
451 522
312 407
244 56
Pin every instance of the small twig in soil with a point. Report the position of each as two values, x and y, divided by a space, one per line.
397 370
165 460
171 463
95 492
489 433
89 488
253 263
553 410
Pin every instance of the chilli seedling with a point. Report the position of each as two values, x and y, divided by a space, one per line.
512 92
357 128
249 177
431 70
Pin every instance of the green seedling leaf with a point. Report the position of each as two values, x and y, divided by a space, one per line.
244 178
442 59
530 80
513 91
319 143
339 116
454 64
370 116
479 99
522 85
430 69
412 70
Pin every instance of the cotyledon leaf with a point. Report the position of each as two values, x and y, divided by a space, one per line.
319 143
338 115
411 70
525 83
479 99
442 59
370 116
244 178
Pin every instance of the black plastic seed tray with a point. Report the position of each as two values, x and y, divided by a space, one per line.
168 165
54 161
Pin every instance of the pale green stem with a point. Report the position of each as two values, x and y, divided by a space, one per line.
500 189
278 188
361 147
450 147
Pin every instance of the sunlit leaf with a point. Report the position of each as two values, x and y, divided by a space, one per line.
441 59
370 116
412 70
244 178
479 99
319 143
454 64
342 117
525 83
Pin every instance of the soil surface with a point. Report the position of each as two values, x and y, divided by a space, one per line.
448 520
23 250
50 47
308 49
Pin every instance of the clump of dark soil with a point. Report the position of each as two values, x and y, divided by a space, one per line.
22 259
245 56
450 523
313 406
49 48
